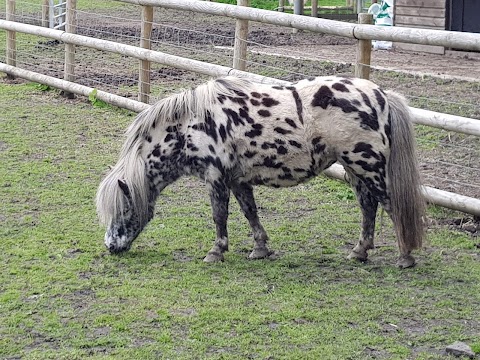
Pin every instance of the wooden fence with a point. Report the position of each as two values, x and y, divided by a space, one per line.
452 39
362 32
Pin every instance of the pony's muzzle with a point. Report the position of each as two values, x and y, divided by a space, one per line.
115 246
116 250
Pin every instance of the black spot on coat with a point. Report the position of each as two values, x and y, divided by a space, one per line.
233 116
268 145
256 131
282 150
222 132
380 99
243 112
269 102
368 121
249 154
264 113
346 81
298 104
282 130
323 97
318 147
347 160
294 143
291 123
366 150
344 104
340 87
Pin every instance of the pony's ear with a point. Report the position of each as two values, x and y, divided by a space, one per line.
123 186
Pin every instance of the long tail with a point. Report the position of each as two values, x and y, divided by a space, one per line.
408 204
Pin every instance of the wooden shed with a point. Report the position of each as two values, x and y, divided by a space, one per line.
455 15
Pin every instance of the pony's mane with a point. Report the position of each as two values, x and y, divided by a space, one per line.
130 168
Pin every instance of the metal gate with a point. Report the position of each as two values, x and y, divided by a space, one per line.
57 12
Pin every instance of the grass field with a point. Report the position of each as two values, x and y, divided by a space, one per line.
63 297
272 5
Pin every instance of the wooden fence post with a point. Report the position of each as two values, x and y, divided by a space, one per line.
314 8
241 36
45 9
145 65
364 50
70 27
297 10
11 38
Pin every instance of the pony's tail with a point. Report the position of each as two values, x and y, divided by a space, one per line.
407 202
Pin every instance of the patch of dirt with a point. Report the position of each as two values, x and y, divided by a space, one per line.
181 255
470 226
102 331
372 353
3 146
41 341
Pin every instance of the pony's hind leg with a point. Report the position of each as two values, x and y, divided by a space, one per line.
405 260
244 194
368 205
369 197
219 198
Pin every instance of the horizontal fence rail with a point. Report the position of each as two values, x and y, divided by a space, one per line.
439 120
451 39
448 122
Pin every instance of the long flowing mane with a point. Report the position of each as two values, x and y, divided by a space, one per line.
130 167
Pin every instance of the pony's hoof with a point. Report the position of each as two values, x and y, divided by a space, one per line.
358 256
406 261
214 256
260 254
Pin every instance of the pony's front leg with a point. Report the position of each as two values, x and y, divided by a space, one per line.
219 198
244 194
368 205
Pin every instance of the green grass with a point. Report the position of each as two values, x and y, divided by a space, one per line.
63 297
272 5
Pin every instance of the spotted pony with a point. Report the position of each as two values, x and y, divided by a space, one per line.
234 134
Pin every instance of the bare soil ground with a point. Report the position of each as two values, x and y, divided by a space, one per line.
334 48
461 65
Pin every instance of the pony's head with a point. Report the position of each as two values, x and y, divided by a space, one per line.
125 226
124 206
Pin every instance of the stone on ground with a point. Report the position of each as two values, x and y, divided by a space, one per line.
459 348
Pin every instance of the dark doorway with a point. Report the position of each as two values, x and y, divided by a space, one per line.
463 15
